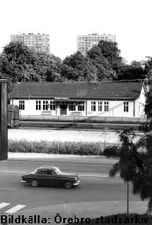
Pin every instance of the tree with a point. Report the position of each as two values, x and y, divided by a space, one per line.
19 63
148 68
48 67
131 72
103 68
78 68
142 182
135 164
127 160
106 58
111 52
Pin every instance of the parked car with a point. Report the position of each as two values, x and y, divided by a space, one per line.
51 176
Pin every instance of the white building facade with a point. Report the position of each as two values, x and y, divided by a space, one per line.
79 100
37 42
86 42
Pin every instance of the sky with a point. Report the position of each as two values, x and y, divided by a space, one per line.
63 20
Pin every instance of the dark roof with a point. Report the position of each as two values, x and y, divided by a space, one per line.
77 90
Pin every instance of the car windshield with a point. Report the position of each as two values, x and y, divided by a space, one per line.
57 171
34 171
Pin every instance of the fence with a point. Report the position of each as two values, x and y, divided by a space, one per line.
89 119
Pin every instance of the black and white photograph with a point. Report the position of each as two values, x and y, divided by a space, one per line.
75 112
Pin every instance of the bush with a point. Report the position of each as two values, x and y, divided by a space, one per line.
111 151
80 148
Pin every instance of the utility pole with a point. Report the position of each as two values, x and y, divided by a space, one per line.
3 120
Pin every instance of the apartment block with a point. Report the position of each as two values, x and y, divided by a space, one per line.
86 42
37 42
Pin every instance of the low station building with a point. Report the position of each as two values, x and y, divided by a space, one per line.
50 100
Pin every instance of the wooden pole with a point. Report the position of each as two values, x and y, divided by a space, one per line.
3 120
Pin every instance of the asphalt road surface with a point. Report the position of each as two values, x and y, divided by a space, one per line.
95 184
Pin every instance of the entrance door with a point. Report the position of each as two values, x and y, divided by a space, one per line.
63 109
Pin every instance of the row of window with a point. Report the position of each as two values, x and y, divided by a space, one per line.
50 105
47 105
95 106
104 106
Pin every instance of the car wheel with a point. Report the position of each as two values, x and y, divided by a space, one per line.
68 185
34 183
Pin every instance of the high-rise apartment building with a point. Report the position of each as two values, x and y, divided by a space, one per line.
86 42
37 42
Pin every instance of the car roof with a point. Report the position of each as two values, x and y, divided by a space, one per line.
47 168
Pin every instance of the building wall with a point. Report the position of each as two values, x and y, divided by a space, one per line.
140 104
115 108
86 42
37 42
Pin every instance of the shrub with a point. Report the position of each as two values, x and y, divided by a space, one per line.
111 151
77 148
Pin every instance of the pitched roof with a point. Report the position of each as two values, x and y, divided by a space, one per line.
77 90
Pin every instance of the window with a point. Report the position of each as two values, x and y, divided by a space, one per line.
93 106
52 105
42 172
126 106
45 105
106 106
72 106
80 106
38 105
21 105
100 106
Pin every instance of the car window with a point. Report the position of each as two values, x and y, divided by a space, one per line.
51 172
42 172
45 172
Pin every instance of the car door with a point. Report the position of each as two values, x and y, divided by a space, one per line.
43 177
52 178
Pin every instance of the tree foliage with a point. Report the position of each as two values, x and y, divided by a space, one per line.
135 164
48 67
111 52
148 68
102 62
102 65
131 72
78 68
19 63
126 164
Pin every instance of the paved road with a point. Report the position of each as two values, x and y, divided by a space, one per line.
95 186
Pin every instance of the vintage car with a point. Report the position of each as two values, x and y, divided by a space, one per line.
51 176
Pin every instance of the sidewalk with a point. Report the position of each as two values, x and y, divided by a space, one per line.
84 210
46 157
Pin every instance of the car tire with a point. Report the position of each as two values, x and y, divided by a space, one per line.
68 185
34 183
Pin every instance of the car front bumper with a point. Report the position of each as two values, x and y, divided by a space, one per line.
23 181
76 183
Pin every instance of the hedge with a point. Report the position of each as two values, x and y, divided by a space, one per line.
76 148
